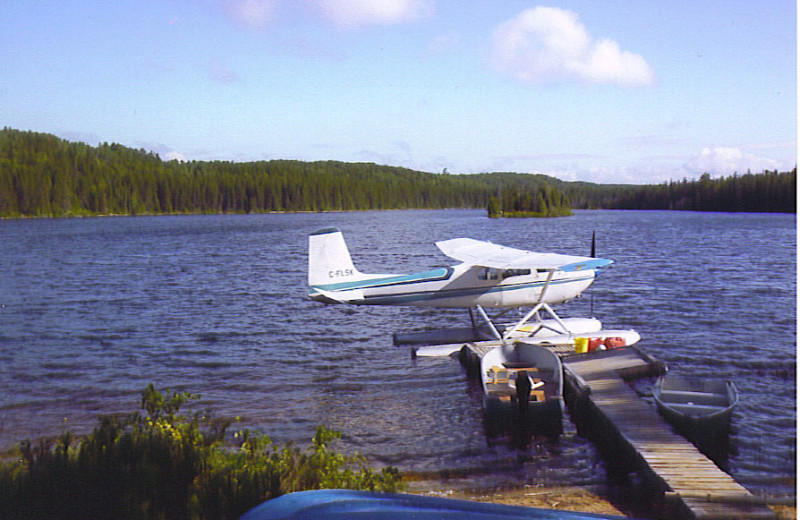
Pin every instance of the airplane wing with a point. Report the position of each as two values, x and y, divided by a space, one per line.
486 254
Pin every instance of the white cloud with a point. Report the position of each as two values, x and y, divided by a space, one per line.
626 174
547 44
724 161
163 151
175 156
354 13
344 13
253 13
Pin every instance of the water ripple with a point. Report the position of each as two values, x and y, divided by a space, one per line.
92 310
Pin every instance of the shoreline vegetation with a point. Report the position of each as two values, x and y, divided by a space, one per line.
160 463
42 175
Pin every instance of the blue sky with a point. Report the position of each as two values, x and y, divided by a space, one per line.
609 91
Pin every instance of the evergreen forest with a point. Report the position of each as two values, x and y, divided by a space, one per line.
42 175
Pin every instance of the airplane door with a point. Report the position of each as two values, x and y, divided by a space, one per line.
489 278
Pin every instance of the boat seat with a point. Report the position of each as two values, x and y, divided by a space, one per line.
498 374
537 396
695 410
519 365
698 398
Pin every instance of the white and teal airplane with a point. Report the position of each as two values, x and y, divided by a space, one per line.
489 276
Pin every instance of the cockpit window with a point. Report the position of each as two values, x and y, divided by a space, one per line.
490 273
515 272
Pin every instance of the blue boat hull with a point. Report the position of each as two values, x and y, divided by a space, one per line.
345 504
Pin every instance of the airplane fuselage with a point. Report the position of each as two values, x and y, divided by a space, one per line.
460 286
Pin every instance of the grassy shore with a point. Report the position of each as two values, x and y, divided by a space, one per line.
587 499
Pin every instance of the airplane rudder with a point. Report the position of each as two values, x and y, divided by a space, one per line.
328 257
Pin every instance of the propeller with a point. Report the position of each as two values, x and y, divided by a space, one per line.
591 294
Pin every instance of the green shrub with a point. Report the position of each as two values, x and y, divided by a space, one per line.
165 465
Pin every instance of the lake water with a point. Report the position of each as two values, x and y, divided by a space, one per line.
92 310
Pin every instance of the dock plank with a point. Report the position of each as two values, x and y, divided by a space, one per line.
673 460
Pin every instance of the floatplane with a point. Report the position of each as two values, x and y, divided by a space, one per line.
490 276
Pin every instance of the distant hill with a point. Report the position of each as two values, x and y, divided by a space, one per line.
44 176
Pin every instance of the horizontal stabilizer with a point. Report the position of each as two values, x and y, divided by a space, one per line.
486 254
351 296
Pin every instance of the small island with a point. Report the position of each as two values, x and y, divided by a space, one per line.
544 201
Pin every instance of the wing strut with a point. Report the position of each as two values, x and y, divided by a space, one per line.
539 305
521 323
508 333
488 320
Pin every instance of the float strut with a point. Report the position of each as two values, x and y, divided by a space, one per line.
539 305
552 313
489 321
523 321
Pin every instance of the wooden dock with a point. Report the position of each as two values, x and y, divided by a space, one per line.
691 485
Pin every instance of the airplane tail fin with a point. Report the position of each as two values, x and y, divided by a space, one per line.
329 259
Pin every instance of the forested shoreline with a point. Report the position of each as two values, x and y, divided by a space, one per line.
42 175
